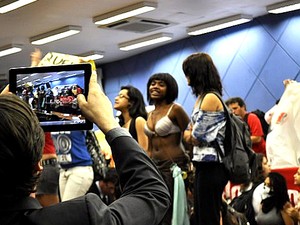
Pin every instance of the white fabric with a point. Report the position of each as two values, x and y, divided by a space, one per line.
75 182
283 142
257 197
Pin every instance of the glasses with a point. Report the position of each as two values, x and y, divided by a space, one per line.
122 96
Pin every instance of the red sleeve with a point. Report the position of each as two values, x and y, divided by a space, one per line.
255 125
49 145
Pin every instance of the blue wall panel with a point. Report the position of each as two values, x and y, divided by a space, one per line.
290 39
239 79
256 48
253 59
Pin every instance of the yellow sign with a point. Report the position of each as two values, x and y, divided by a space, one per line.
55 58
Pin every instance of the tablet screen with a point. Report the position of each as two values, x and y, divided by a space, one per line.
52 91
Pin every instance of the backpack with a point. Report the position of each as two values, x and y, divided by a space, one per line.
261 116
243 204
239 156
231 216
99 162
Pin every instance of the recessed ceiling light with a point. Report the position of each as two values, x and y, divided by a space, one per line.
145 41
218 24
54 35
120 14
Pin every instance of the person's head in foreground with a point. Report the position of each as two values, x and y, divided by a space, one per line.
21 144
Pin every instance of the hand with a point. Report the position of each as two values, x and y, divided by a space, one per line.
291 211
286 82
187 136
194 141
97 108
36 57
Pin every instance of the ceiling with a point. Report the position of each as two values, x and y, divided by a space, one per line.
16 27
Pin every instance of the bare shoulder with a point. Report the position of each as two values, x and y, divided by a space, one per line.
211 102
178 109
140 120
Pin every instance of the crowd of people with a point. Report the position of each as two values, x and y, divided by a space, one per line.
150 149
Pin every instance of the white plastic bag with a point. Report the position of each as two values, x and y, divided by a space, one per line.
283 142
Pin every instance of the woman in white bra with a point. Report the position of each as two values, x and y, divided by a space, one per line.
164 128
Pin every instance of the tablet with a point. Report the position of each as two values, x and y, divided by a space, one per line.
52 91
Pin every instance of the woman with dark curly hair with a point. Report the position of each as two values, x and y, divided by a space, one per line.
274 198
262 171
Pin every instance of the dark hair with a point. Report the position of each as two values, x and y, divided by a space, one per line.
21 144
279 193
111 176
258 174
202 73
172 86
137 105
237 100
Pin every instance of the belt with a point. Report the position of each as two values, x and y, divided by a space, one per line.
49 162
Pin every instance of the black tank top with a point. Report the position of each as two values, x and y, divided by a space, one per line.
132 129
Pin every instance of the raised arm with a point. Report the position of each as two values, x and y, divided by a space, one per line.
145 197
97 108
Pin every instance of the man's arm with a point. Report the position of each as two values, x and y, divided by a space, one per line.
145 197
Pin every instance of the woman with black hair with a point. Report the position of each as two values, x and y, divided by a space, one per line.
133 115
164 128
207 128
274 198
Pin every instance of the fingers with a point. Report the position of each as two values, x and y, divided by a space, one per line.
93 78
36 57
286 82
81 100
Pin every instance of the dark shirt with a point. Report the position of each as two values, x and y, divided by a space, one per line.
107 199
145 198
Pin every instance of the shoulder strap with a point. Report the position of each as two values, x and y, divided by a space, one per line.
226 110
170 109
246 117
201 99
132 129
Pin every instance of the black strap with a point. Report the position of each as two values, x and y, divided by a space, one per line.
132 129
226 110
246 117
216 145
